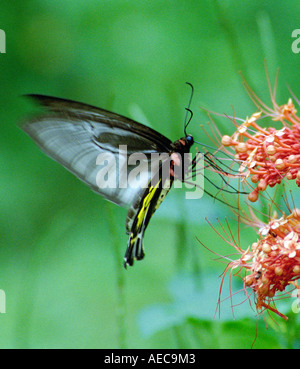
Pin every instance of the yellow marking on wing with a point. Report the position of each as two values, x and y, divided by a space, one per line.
143 211
146 203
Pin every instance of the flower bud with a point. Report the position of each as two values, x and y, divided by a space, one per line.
226 140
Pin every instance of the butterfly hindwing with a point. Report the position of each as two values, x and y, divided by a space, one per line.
140 213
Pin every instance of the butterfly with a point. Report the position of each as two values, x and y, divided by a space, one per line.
76 134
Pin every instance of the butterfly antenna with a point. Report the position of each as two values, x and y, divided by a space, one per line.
188 110
228 170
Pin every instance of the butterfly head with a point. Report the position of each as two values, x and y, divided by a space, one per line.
184 144
189 140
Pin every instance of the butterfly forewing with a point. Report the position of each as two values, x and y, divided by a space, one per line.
152 140
74 135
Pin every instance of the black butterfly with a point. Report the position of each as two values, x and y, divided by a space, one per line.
74 134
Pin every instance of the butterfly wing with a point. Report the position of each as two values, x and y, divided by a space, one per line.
74 134
141 211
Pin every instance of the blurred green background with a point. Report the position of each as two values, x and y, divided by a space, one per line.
61 245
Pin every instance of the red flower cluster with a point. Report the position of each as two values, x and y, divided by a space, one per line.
272 263
268 155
